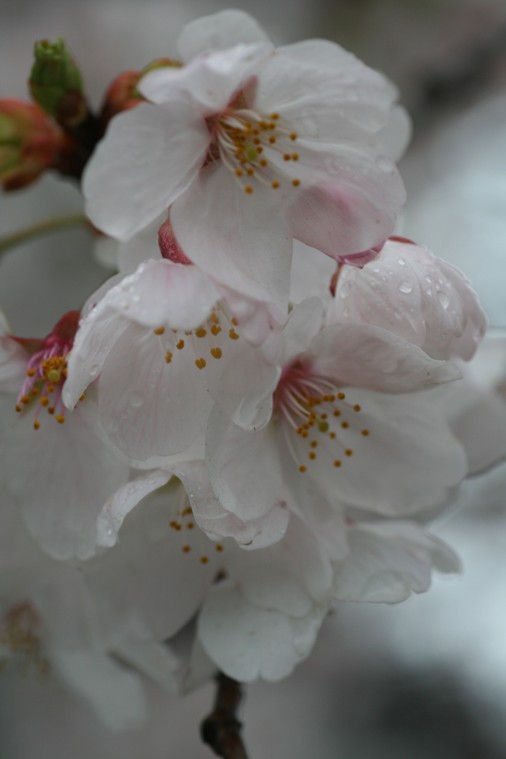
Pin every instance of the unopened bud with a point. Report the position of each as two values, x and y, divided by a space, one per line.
29 143
123 93
56 84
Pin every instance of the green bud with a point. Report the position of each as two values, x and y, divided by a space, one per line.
56 82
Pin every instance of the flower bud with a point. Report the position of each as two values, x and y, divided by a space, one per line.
123 93
56 84
29 143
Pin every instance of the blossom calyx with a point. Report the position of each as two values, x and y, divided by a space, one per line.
29 144
56 84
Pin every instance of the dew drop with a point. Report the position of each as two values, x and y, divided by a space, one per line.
401 262
406 287
443 299
94 370
136 400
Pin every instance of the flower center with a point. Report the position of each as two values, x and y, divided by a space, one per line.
46 370
320 415
258 150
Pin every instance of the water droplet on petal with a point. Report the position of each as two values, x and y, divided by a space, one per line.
443 299
401 262
94 370
136 400
406 287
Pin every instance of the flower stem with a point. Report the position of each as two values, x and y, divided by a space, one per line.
41 228
221 729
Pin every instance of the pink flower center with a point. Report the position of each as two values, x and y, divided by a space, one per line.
46 369
320 415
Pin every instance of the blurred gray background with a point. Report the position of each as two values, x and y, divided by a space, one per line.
423 680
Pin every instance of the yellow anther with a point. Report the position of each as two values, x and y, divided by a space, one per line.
296 182
200 332
200 363
332 435
233 334
349 452
159 330
365 433
295 156
287 157
357 407
341 396
272 139
337 463
186 549
216 352
323 426
218 547
314 443
180 344
312 455
344 425
36 424
44 401
250 172
215 329
275 184
293 136
239 172
60 418
168 357
302 468
248 189
190 525
30 373
263 162
274 116
204 559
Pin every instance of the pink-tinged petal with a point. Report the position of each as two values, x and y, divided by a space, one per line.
123 501
276 642
325 92
388 561
240 240
410 292
161 293
61 474
218 523
348 199
155 408
361 355
147 159
244 468
217 32
209 83
256 319
395 454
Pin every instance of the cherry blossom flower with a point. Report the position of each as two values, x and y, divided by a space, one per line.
189 348
59 465
260 145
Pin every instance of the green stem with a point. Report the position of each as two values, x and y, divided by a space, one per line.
42 228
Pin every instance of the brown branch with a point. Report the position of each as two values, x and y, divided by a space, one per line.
221 729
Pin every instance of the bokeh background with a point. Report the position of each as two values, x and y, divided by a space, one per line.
426 679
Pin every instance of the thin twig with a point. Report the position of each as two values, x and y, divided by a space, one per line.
41 228
221 729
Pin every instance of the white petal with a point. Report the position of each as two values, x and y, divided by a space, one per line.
367 356
247 642
244 467
115 693
219 523
150 407
13 360
409 459
302 326
209 83
325 92
123 501
240 240
390 560
217 32
312 273
146 160
62 474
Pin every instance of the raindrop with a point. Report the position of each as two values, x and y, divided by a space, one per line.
94 370
401 262
406 287
443 298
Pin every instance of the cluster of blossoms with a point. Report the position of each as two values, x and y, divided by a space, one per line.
253 416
